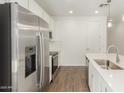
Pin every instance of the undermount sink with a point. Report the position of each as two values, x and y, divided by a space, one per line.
107 64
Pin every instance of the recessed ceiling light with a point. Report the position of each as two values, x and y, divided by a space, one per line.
96 12
71 12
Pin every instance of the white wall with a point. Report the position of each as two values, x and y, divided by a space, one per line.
116 36
72 33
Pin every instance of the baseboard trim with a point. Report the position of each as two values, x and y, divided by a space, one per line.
72 66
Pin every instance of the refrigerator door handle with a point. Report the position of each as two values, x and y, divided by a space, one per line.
42 59
43 63
38 60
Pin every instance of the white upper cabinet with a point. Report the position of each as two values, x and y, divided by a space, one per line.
36 9
23 3
51 25
2 1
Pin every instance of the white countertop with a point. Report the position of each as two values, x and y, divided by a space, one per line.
114 78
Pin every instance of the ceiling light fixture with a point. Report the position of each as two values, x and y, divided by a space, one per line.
109 16
71 12
96 12
109 19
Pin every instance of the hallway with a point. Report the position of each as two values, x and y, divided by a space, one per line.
70 79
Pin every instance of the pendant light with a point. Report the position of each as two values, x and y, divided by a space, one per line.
109 19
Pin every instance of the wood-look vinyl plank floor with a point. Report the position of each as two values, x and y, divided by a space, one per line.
70 79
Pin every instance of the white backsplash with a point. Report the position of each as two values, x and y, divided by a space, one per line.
55 46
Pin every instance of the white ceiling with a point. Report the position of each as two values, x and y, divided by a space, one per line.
81 7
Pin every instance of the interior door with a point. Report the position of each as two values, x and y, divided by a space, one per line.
94 38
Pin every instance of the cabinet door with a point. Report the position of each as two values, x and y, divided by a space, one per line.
38 10
105 87
35 8
51 25
96 81
50 68
2 1
90 76
94 39
109 89
99 84
23 3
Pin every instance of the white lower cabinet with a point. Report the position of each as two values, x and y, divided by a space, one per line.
50 68
90 76
96 81
104 86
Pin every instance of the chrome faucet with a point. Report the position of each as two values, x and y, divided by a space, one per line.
117 52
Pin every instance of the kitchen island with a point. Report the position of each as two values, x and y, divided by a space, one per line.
103 80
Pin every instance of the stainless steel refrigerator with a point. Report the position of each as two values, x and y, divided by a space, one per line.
24 50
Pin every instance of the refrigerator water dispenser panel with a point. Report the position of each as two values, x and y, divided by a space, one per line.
30 60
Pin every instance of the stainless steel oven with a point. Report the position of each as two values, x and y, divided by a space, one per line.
54 61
